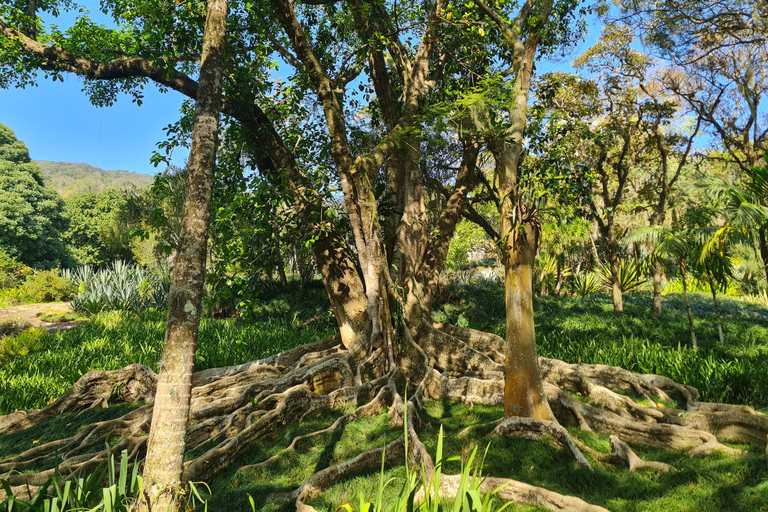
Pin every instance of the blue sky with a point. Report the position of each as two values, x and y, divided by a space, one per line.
58 123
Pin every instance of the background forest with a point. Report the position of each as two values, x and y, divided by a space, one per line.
416 192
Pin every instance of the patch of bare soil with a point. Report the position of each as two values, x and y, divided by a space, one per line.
29 313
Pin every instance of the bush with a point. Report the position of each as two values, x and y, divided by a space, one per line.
632 275
585 284
48 286
44 286
12 272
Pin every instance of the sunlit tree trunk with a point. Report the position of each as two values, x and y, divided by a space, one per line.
163 486
657 271
523 388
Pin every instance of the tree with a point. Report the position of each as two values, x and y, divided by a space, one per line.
32 216
162 475
98 232
678 242
718 54
745 207
423 69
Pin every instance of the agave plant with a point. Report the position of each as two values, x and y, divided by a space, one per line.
586 283
632 275
121 286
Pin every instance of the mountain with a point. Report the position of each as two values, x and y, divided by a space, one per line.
69 178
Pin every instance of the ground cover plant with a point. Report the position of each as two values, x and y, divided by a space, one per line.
572 329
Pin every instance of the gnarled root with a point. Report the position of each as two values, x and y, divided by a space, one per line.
530 428
234 407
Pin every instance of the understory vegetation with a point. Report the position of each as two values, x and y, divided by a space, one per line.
575 330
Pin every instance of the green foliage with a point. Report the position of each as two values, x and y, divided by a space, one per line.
469 238
98 232
675 286
586 330
43 286
632 275
585 284
467 499
12 272
48 286
86 492
121 286
21 344
113 339
32 216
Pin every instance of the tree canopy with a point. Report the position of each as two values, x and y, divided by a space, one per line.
32 216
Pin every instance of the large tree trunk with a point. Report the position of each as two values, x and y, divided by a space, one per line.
162 475
523 390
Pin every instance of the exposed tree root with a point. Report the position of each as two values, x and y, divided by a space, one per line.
234 407
94 389
520 492
530 428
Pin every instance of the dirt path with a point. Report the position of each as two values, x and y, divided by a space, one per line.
29 313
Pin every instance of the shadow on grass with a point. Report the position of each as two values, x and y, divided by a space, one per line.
58 427
586 330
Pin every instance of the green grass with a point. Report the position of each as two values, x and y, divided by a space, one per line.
572 329
112 340
586 330
716 482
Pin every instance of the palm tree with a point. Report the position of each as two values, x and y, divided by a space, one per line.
714 264
745 208
678 244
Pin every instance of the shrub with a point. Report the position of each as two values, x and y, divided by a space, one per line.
44 286
632 275
585 284
48 286
12 272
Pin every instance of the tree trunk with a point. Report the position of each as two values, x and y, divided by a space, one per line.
523 390
763 234
615 263
162 484
688 307
560 277
657 271
717 307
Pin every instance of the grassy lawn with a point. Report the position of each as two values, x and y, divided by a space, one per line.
583 330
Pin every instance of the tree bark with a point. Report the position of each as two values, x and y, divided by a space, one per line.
162 484
657 271
523 388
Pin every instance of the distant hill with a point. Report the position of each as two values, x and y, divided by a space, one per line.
69 178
